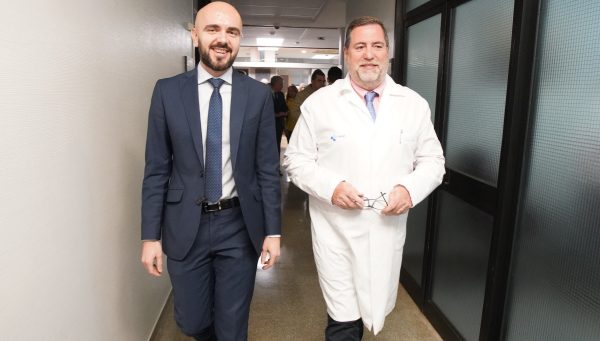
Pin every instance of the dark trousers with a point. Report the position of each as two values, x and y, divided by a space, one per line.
213 284
279 126
343 331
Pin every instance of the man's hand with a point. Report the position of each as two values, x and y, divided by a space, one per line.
270 252
347 197
399 201
152 257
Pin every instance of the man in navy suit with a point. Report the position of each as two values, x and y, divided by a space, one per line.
211 191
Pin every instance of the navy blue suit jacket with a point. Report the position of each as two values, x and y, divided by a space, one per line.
173 184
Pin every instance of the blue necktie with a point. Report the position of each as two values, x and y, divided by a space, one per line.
213 187
369 97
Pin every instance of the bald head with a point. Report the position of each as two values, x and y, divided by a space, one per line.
219 10
217 35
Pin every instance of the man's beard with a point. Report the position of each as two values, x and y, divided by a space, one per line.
213 64
371 77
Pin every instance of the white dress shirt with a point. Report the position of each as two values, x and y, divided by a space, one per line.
205 90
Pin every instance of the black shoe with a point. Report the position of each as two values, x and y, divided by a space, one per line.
343 331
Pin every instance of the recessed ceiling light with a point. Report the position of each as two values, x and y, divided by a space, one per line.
303 51
269 41
324 56
268 48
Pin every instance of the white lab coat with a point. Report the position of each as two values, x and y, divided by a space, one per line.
335 140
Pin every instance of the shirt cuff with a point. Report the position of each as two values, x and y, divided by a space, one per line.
274 236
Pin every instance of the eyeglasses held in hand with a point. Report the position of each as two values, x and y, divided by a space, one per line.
378 203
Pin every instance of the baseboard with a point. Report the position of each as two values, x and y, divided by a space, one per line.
162 311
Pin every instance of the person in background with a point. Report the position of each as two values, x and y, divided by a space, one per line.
334 74
366 152
211 196
317 81
293 110
280 107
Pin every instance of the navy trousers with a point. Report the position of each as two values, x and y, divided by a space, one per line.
213 284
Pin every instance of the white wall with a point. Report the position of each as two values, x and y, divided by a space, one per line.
75 84
382 9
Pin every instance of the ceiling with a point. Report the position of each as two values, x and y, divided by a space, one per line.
308 10
293 37
303 25
291 53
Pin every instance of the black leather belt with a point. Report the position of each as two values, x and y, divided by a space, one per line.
221 205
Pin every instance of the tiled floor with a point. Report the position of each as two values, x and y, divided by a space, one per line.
287 302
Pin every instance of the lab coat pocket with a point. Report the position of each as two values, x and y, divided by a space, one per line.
406 148
330 142
407 138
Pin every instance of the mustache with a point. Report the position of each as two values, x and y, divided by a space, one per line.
222 46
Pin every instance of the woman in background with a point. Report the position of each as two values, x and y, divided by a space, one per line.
293 110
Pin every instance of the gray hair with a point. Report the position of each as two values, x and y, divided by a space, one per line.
363 21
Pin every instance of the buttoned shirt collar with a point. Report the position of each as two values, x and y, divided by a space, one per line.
361 92
203 75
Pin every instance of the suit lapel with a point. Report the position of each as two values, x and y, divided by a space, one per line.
239 97
192 110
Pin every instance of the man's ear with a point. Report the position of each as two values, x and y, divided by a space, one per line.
194 34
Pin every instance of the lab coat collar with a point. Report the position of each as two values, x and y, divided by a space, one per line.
391 88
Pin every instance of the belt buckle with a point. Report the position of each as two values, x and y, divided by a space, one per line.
208 208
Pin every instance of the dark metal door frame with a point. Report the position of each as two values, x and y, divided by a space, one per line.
501 201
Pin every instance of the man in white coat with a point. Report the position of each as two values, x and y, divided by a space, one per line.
365 151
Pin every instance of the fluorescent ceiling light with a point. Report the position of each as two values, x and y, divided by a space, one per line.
268 48
324 56
269 41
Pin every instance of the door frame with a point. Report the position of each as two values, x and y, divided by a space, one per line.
501 201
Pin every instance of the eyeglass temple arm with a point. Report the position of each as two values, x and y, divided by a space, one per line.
383 197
